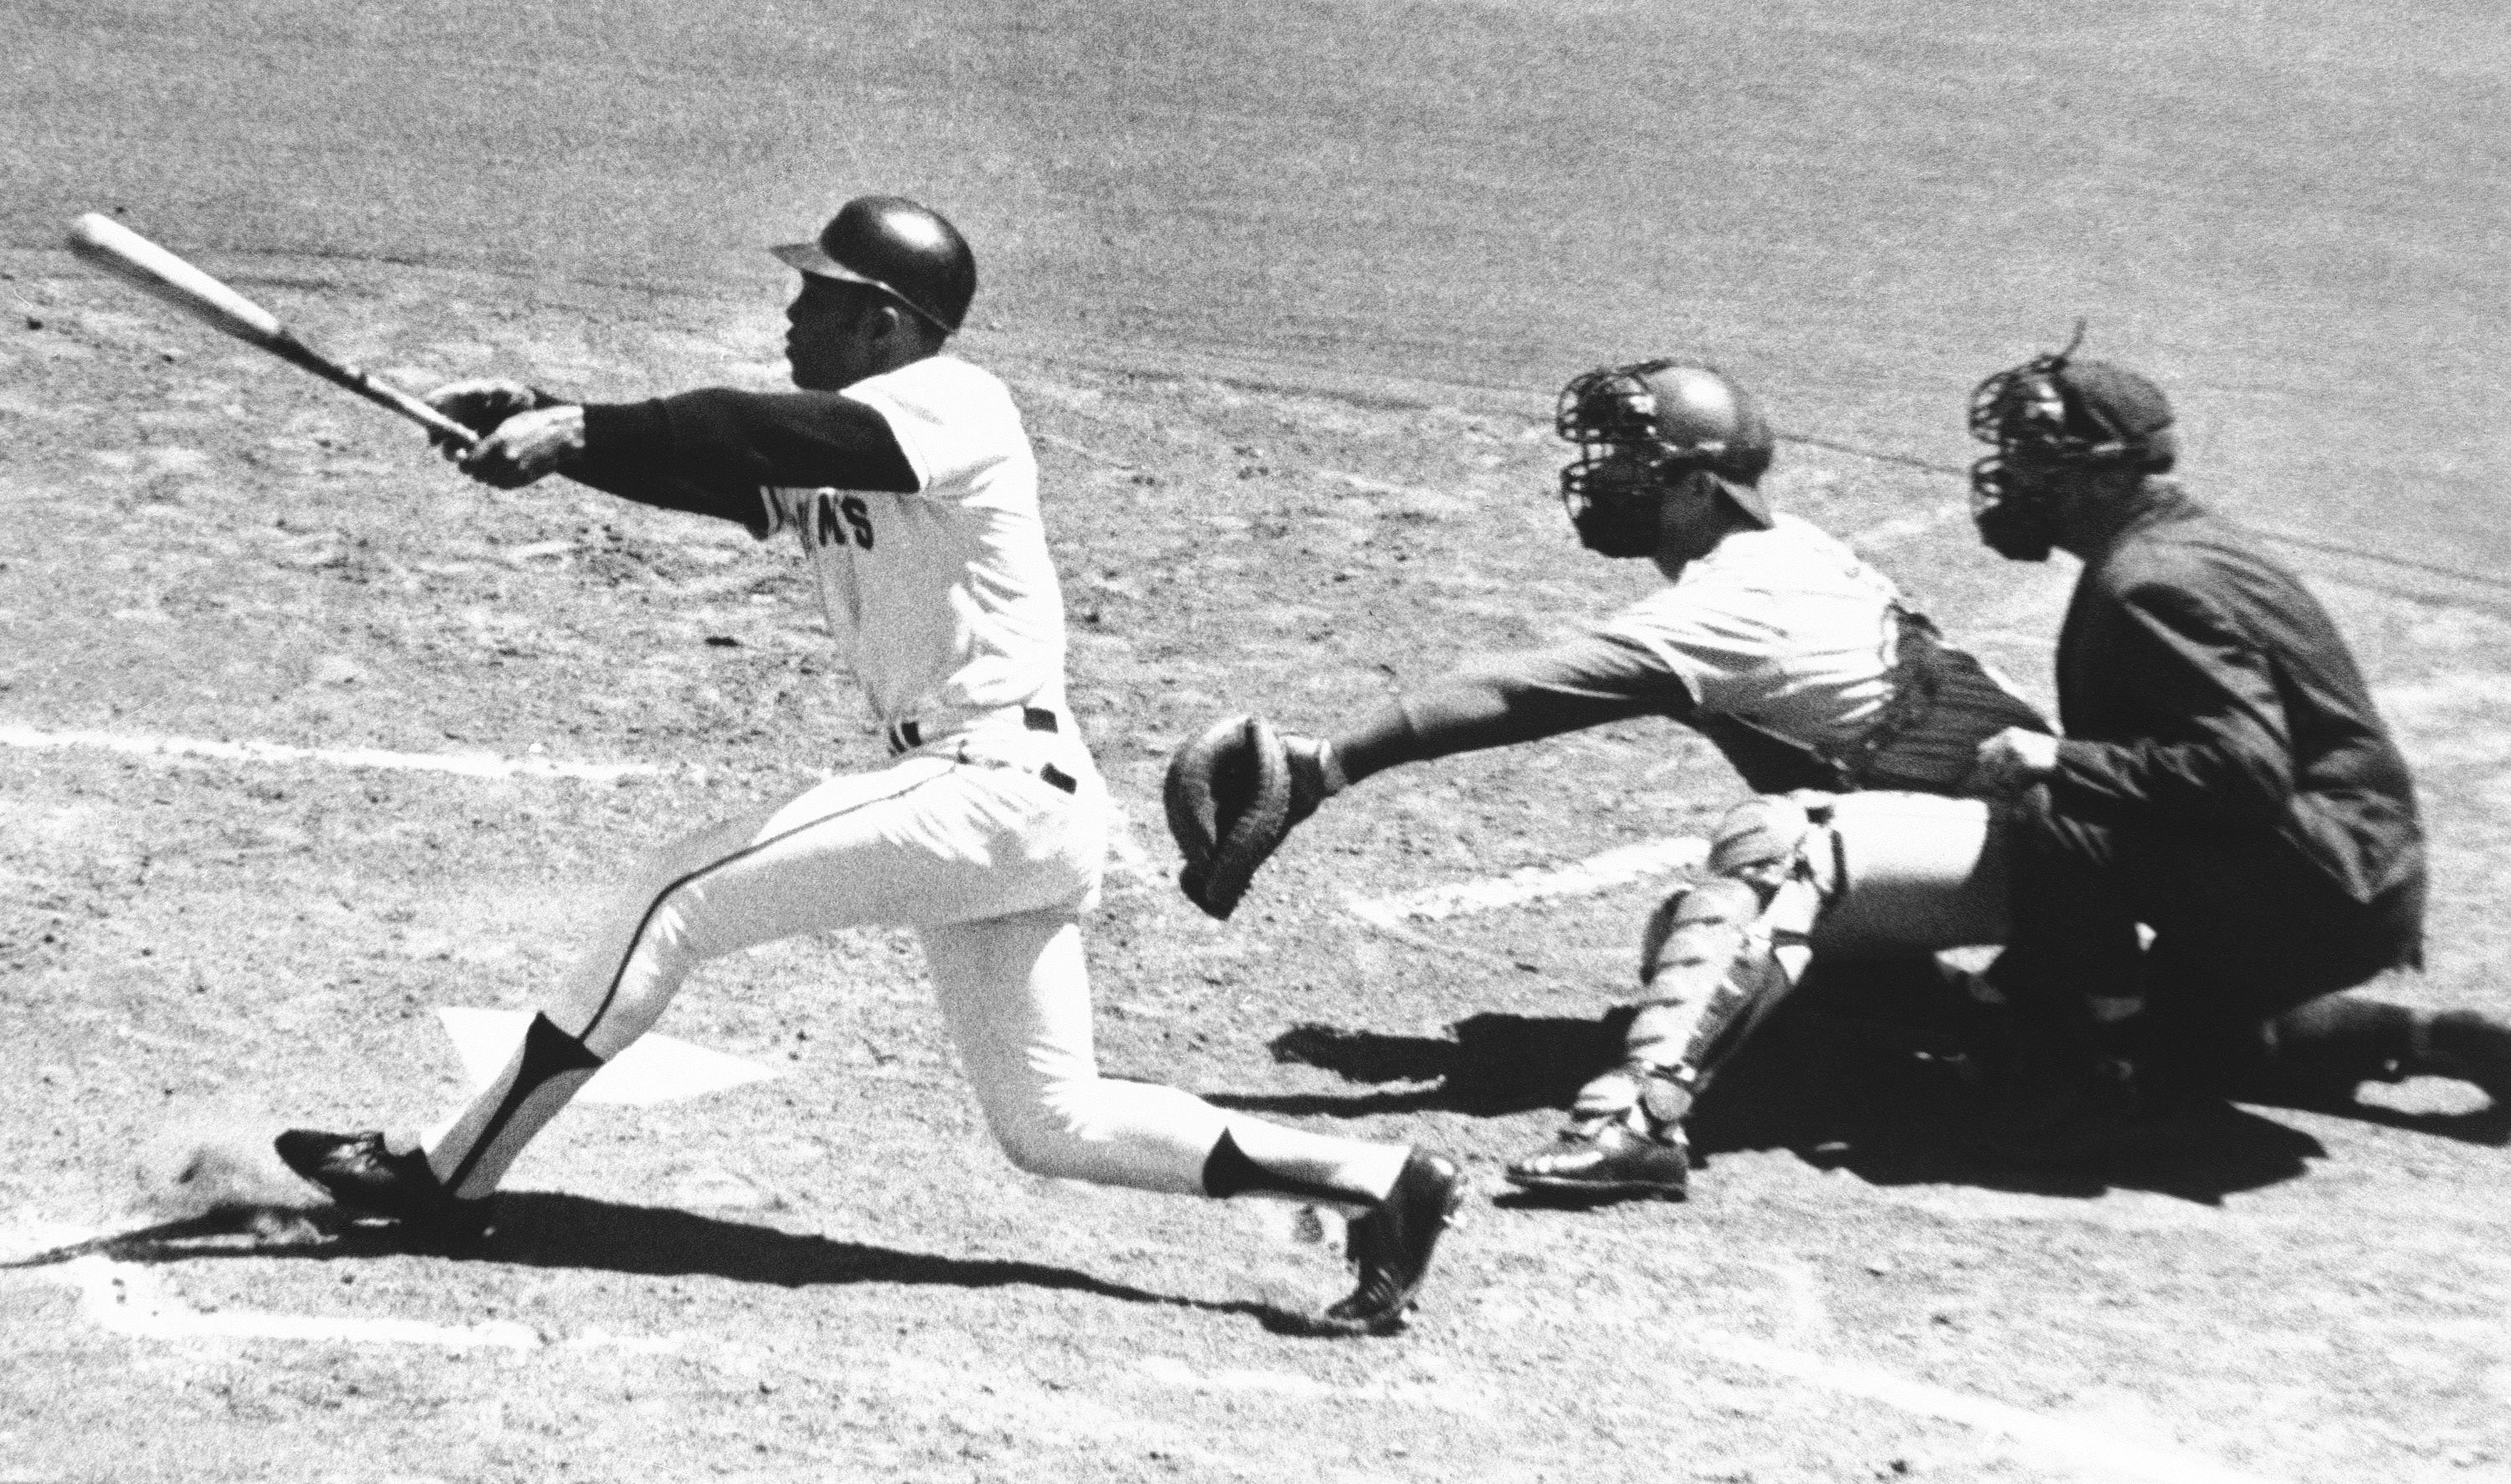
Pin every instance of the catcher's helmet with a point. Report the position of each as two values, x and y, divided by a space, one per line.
1676 419
906 250
2055 412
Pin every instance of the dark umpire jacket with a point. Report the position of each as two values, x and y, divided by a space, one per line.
2224 781
2204 694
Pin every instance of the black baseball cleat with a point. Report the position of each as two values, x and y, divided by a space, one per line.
1608 1161
1391 1244
364 1176
2472 1048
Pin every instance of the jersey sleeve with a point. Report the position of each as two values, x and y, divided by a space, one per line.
1709 639
1585 682
722 439
950 421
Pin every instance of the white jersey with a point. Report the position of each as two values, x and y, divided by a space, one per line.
1782 628
944 601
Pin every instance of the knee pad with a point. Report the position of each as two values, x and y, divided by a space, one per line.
1763 838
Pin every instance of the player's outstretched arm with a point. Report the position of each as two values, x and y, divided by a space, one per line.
1585 682
707 453
796 440
1234 792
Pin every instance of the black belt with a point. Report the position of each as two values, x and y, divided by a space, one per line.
907 736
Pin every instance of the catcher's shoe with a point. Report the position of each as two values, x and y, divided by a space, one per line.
366 1177
1608 1159
1391 1247
2472 1048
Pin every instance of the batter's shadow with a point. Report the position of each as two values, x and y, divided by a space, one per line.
544 1228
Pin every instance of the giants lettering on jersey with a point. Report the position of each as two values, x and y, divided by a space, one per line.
833 519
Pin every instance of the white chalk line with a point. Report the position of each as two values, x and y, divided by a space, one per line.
131 1299
126 1298
481 764
2081 1449
1447 1395
1121 843
1580 878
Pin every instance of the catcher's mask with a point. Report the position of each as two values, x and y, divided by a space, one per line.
1645 430
2049 415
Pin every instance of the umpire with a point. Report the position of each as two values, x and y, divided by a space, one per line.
2224 782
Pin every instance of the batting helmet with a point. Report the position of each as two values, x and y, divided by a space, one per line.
1681 418
907 251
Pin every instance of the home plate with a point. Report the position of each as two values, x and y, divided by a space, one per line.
654 1069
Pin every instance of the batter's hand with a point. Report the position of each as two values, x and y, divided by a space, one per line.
2010 762
526 446
482 405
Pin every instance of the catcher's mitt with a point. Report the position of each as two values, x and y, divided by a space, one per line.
1229 805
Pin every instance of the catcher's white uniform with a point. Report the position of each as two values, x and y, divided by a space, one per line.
986 834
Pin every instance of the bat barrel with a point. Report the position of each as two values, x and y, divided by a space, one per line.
127 255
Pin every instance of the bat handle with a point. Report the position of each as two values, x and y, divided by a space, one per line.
382 393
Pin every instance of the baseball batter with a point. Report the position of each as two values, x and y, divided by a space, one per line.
1796 658
907 479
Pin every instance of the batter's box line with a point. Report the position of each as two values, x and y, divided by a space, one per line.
478 764
1580 878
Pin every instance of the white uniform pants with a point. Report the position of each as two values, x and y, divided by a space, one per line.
963 840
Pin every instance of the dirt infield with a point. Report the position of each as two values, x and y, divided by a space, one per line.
832 1273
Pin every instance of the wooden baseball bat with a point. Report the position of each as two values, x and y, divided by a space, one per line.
127 255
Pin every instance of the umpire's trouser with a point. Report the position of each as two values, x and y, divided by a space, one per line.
2244 929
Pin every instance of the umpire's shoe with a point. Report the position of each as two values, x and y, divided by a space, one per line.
2472 1048
364 1176
1608 1159
1391 1247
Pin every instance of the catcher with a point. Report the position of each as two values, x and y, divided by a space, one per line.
1798 661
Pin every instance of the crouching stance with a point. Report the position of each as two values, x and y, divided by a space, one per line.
1776 642
1889 875
910 484
2189 886
1851 876
2227 834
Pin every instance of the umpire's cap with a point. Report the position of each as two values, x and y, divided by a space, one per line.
2118 413
906 250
